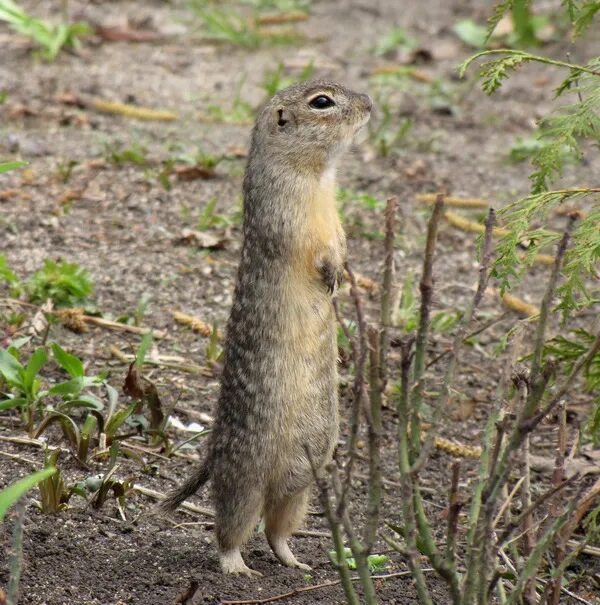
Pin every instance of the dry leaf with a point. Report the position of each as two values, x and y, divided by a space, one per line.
126 34
191 173
138 387
202 239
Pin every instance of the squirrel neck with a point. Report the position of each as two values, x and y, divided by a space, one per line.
282 205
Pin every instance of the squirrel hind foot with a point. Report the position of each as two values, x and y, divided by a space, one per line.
232 563
282 551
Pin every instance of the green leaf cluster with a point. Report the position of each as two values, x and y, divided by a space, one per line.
51 38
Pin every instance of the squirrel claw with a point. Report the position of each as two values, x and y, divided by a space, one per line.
329 275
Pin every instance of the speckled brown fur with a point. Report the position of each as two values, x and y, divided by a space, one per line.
279 384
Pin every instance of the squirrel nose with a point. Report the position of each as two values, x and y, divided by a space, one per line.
367 101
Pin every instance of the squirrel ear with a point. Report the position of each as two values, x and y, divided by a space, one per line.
284 116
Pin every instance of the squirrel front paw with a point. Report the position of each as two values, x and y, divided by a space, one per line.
330 274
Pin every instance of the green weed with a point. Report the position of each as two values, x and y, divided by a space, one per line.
8 276
276 79
228 25
64 170
238 111
209 218
133 154
50 38
11 494
67 284
7 166
395 38
376 563
389 133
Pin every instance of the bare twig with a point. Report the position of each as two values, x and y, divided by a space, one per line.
540 335
297 591
406 478
426 288
360 351
558 476
336 532
454 506
386 293
464 323
374 429
528 541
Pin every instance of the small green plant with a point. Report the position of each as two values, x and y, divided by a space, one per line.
238 111
276 79
471 33
67 284
8 276
395 38
209 218
54 493
7 166
119 487
24 389
50 38
559 138
13 493
376 563
228 25
388 133
214 352
121 155
64 169
22 381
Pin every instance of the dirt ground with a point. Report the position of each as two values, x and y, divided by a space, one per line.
118 221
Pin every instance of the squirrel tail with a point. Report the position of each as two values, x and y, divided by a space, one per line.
198 478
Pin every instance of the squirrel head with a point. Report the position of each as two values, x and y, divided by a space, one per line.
307 126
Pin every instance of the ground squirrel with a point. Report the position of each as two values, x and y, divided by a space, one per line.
279 384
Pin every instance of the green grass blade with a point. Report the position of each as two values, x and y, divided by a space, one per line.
13 492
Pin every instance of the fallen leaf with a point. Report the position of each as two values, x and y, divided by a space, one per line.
138 387
576 466
20 110
202 239
191 173
39 323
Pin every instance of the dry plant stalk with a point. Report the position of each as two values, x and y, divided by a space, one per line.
195 324
130 111
453 201
465 224
473 578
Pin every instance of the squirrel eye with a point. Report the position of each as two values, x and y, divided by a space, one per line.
321 102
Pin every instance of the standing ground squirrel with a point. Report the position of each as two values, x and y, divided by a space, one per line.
279 384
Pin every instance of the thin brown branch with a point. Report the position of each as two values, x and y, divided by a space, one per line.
297 591
426 288
454 506
545 307
336 532
509 529
374 431
464 323
360 351
386 293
